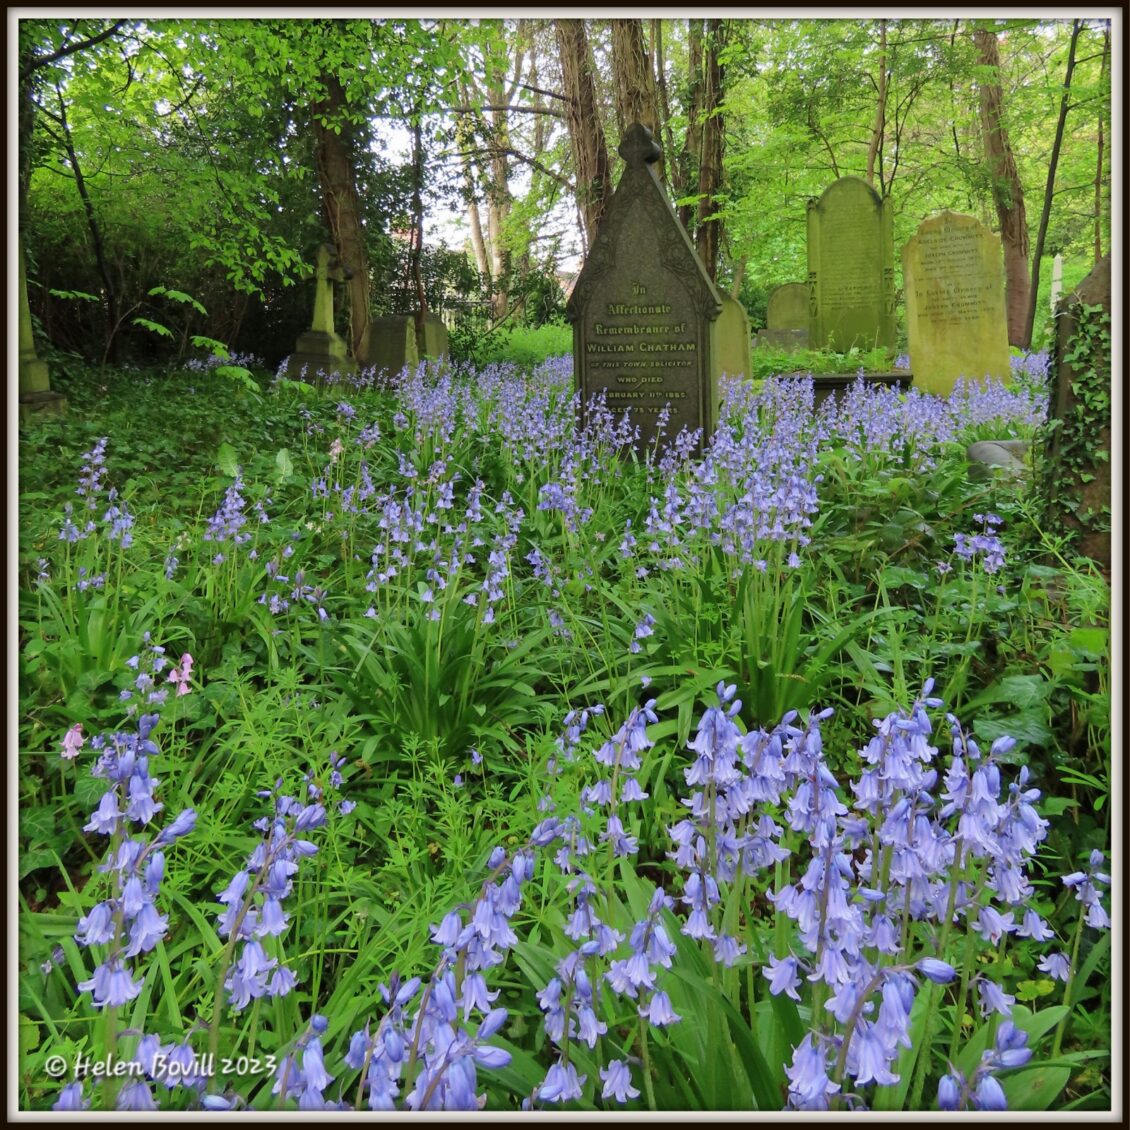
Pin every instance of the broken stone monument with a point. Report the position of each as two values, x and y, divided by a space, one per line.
851 277
643 307
36 397
321 355
953 278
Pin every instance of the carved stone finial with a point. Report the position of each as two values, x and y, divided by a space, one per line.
638 147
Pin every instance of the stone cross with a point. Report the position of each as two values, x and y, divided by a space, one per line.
328 271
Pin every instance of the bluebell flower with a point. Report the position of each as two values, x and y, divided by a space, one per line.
561 1084
617 1079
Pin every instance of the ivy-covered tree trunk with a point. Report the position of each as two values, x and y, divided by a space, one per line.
708 229
586 134
333 157
1008 192
686 179
636 97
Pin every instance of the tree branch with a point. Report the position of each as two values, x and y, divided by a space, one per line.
46 60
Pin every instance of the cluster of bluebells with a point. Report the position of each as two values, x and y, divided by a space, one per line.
227 524
982 1090
127 923
435 1052
984 546
149 684
117 521
254 898
884 867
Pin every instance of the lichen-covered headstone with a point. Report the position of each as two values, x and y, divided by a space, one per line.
321 355
643 306
953 277
731 340
851 278
431 338
1076 470
392 344
787 308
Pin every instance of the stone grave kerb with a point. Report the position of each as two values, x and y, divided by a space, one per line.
640 185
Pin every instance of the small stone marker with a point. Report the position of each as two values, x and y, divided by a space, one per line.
731 340
787 308
643 306
320 353
851 277
953 277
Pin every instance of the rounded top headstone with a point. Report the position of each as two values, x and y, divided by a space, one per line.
638 147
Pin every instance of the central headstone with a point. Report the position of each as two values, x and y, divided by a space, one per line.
851 275
643 307
953 275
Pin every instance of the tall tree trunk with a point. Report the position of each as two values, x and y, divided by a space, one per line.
708 231
333 157
1099 157
634 81
110 294
689 158
661 88
586 134
1008 193
418 224
464 135
874 149
498 197
1049 189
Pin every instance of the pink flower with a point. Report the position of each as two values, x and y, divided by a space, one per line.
336 449
73 741
181 675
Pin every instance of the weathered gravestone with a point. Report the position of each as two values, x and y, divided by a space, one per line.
953 278
431 338
786 318
1077 454
320 353
643 306
731 343
392 344
851 277
36 397
396 342
787 308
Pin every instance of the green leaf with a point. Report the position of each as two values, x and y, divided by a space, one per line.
283 465
227 460
154 327
1035 1088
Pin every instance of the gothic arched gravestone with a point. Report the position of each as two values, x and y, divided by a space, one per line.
643 306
